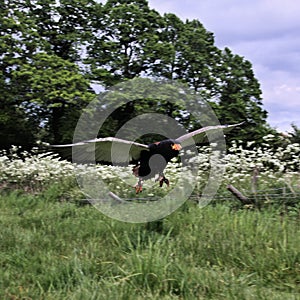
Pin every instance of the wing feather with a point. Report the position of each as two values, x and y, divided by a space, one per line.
199 136
108 149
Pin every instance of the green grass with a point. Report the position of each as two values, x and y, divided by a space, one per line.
54 249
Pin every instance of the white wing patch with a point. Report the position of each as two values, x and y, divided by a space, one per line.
199 136
108 149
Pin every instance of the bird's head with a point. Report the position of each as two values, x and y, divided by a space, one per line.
176 146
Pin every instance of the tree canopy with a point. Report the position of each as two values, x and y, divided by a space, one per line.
51 52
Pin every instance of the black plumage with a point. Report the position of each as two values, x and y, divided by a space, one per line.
155 160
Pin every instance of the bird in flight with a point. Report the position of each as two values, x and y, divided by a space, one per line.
150 159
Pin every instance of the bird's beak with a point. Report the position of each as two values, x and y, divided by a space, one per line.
176 147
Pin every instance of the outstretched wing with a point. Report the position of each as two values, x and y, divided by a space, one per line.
199 136
108 149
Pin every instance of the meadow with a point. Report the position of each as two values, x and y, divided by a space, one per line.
53 247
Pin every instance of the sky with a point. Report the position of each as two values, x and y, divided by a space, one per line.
265 32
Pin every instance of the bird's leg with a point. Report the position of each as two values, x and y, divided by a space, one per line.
139 186
162 179
135 170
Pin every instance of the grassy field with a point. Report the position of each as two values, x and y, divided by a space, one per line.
54 249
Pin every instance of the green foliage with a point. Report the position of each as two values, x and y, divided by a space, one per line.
54 90
43 90
16 128
17 40
141 96
239 98
58 26
295 134
125 33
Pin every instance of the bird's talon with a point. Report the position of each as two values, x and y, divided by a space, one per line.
138 189
167 182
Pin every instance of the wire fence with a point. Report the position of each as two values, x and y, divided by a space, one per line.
282 195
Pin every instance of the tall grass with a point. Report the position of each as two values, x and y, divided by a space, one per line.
56 250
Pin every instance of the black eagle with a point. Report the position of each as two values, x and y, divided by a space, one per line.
150 159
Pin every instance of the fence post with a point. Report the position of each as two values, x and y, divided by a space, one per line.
239 195
255 179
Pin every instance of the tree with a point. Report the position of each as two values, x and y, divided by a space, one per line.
168 50
295 134
18 41
16 128
53 91
125 35
238 97
135 97
43 91
189 54
63 26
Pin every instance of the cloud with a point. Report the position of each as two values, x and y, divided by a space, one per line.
281 94
242 19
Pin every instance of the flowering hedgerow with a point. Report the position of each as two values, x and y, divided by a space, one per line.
32 171
272 167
